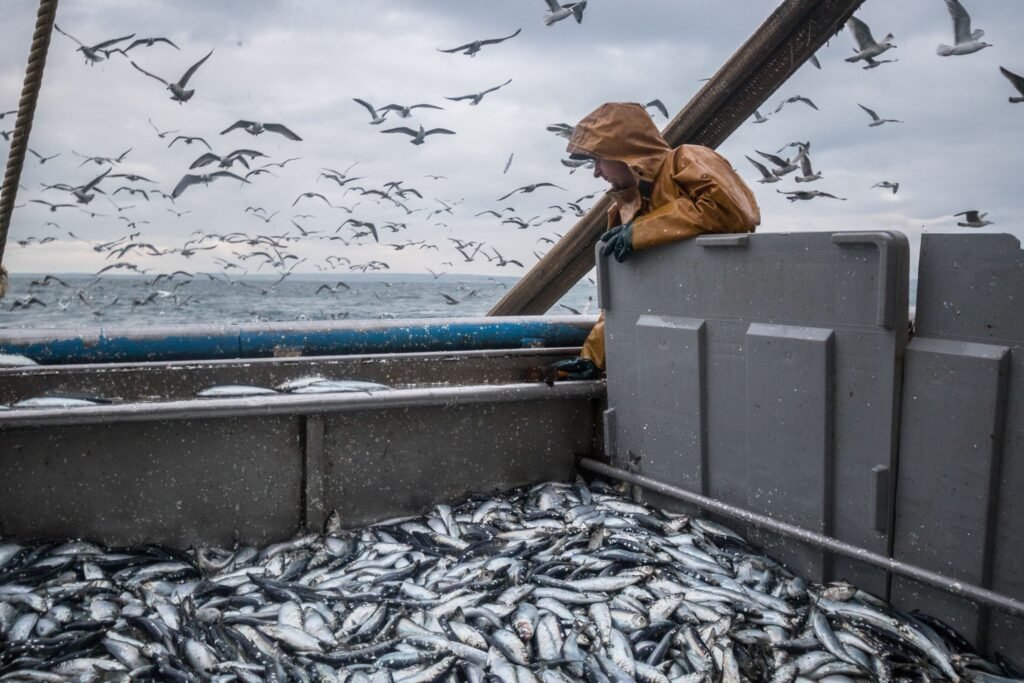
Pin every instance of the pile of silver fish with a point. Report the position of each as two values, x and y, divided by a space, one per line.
552 583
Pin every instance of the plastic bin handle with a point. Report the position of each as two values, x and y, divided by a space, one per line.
888 247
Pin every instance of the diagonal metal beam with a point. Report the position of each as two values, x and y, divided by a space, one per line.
794 32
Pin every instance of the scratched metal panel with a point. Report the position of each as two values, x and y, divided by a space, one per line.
789 417
963 431
669 409
949 455
850 285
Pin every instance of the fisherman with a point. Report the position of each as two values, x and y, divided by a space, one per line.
659 195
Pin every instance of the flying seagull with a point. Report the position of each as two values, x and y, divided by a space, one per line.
973 219
256 128
420 136
657 104
148 42
1017 81
375 118
42 159
885 184
966 41
808 194
783 166
766 175
406 111
796 98
867 47
525 189
472 48
758 118
807 174
189 139
189 179
93 52
475 99
876 120
178 91
82 193
558 12
872 63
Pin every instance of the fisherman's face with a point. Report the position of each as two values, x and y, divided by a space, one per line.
616 173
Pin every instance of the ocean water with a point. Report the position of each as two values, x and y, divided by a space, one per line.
81 301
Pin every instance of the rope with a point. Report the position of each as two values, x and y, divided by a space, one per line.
23 123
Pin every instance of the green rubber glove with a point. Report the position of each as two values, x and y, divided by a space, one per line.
618 242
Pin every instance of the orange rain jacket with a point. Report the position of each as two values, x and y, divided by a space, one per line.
681 192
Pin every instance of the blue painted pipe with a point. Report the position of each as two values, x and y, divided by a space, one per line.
262 340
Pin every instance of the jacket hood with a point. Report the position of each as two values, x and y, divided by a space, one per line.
621 131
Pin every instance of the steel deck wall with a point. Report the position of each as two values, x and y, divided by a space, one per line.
775 373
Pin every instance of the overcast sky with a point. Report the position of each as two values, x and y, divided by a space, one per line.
301 63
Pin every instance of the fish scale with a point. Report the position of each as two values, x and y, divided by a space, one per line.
553 582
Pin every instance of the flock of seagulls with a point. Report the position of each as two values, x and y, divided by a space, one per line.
869 51
272 248
348 213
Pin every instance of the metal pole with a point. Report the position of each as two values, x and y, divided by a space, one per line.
764 62
23 123
978 594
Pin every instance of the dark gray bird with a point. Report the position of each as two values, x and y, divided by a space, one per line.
228 160
966 41
475 99
310 195
189 179
257 128
94 53
418 137
178 91
406 111
657 104
808 194
526 189
472 48
867 47
563 130
973 219
53 207
42 159
159 133
1017 81
82 193
885 184
876 120
796 98
99 161
189 139
147 42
